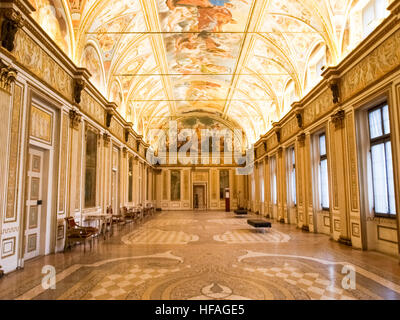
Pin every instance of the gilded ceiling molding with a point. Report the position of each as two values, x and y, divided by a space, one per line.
12 21
7 76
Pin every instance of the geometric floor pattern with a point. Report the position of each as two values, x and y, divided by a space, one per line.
244 236
118 286
207 255
316 286
157 236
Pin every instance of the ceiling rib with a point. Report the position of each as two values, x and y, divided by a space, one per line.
153 25
258 7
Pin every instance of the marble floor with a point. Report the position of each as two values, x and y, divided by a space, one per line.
209 255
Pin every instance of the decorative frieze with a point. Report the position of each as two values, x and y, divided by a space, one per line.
382 60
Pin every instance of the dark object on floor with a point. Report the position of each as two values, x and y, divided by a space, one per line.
259 223
1 273
241 211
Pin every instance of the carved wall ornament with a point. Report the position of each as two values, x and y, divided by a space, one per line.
280 150
265 146
7 76
137 145
75 118
79 85
278 134
109 116
337 118
299 117
107 139
334 86
126 133
11 23
124 151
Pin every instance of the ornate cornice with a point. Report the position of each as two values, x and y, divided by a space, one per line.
7 76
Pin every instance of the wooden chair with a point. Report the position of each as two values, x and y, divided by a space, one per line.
109 222
78 234
121 217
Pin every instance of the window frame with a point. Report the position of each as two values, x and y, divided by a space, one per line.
89 203
322 157
130 179
291 167
383 139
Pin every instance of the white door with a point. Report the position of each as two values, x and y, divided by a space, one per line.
34 203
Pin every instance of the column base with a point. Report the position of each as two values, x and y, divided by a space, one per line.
345 241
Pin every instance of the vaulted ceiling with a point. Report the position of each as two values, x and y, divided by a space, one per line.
232 60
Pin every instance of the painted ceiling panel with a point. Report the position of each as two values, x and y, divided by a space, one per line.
230 60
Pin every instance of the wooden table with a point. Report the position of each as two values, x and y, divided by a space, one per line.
102 219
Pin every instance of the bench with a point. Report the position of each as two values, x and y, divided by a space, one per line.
259 224
240 211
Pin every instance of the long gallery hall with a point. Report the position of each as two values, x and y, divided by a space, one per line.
200 150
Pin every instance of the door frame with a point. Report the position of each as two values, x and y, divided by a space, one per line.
201 184
50 179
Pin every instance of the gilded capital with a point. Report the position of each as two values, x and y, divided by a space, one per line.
301 139
75 118
107 139
7 76
337 118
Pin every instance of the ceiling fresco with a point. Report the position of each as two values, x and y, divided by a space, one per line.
240 61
